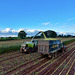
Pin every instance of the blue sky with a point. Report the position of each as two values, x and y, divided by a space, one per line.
35 15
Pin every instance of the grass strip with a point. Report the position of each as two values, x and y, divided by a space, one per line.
68 41
10 48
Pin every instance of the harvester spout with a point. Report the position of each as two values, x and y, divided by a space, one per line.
39 33
43 34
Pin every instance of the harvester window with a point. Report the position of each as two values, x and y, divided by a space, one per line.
33 41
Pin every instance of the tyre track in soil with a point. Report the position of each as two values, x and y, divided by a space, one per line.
65 70
9 54
11 57
11 71
35 61
63 65
47 66
25 71
31 72
25 65
41 68
71 71
29 69
71 45
50 68
12 63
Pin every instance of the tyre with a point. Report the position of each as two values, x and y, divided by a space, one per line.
29 50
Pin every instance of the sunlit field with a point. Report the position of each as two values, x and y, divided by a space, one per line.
18 42
13 42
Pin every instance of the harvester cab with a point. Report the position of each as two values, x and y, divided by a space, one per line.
29 47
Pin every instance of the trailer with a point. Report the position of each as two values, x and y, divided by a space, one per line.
50 47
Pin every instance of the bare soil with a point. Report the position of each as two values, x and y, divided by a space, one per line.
18 63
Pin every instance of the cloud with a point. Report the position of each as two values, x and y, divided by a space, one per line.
70 19
50 23
8 35
14 33
66 33
30 32
6 30
47 23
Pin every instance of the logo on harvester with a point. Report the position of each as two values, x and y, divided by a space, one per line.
55 46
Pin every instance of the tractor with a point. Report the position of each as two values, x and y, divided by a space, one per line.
50 47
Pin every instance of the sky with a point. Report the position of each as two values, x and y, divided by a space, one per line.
33 16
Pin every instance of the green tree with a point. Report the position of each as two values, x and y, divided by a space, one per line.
69 35
22 34
50 33
59 35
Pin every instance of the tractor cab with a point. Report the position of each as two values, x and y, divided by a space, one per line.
29 47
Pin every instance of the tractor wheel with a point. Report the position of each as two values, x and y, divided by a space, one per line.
35 49
29 50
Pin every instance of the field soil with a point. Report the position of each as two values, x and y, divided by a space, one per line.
17 63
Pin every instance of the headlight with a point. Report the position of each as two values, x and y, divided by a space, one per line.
25 50
23 45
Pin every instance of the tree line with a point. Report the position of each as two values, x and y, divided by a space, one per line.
23 35
49 34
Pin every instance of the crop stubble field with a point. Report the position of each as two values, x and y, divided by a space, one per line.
32 64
